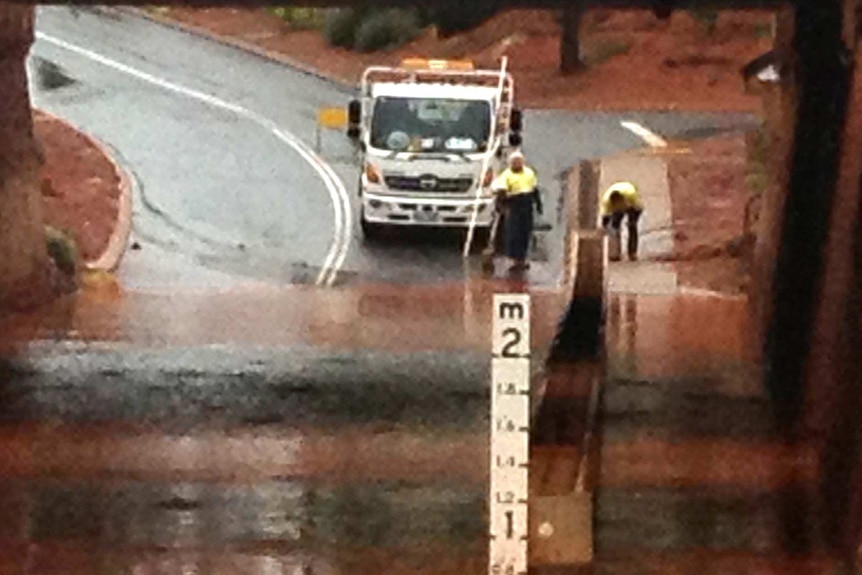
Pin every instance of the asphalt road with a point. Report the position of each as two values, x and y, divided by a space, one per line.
219 143
174 430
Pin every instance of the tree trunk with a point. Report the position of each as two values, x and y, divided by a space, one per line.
23 253
570 47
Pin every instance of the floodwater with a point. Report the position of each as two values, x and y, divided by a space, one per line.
345 431
254 430
695 477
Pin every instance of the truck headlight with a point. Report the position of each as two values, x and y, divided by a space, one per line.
372 174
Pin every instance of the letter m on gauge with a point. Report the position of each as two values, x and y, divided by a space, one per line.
511 326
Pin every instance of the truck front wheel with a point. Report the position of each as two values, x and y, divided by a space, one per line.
371 231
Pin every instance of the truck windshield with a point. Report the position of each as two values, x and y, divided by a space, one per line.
430 125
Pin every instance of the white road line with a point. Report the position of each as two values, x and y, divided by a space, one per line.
340 200
645 134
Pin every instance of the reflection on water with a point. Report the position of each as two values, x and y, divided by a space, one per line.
310 525
330 503
367 316
659 337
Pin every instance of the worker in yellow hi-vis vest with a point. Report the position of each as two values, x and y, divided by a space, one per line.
518 194
621 200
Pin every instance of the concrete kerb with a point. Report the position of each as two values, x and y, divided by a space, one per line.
239 44
110 258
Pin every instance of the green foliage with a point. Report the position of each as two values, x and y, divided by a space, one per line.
62 249
605 51
299 17
756 182
706 16
340 26
757 175
370 29
453 17
387 28
763 30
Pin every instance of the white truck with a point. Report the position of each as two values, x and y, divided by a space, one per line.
432 135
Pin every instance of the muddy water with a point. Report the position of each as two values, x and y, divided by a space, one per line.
695 477
301 432
251 431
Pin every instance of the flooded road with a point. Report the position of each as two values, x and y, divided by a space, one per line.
200 422
258 430
298 430
317 431
694 476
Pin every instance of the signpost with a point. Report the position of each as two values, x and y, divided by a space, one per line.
510 435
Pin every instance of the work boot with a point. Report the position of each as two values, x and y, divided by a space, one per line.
519 265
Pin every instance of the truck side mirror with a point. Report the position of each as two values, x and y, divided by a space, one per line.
354 112
354 117
516 121
515 139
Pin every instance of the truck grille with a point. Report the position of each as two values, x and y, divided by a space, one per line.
429 184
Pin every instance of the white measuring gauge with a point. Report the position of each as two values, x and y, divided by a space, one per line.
510 435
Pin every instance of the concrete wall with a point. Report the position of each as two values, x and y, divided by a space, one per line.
779 105
585 264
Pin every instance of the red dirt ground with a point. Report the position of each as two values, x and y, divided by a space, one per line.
671 64
79 186
708 197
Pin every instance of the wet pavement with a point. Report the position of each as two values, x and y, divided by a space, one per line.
694 476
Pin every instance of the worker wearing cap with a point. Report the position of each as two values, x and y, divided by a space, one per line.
518 194
622 200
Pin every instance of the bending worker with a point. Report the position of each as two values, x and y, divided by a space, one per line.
517 194
621 200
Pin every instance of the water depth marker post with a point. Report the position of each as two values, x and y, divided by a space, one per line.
510 435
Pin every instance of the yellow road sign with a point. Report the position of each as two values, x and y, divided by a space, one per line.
332 117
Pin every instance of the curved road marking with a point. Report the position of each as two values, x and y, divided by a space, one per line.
645 134
337 192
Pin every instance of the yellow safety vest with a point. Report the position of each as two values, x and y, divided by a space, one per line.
515 183
631 198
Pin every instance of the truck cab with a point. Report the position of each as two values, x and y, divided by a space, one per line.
432 136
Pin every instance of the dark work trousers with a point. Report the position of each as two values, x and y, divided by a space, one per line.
519 225
615 222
